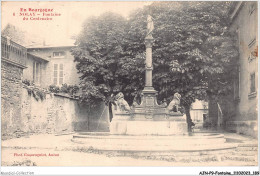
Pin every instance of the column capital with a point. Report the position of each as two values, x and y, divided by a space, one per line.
149 41
149 68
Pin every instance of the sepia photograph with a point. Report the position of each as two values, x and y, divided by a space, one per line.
130 83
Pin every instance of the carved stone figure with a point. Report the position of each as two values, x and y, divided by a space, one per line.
174 104
121 103
150 26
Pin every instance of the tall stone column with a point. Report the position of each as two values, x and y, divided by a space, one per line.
149 100
149 64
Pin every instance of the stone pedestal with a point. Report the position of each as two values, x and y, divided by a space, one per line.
148 118
125 125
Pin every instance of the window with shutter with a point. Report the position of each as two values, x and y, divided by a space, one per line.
61 74
58 74
36 72
55 76
252 83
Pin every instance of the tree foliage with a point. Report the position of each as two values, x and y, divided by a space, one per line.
104 62
192 47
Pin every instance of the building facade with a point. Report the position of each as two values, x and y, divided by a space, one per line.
244 24
27 104
199 113
198 110
49 65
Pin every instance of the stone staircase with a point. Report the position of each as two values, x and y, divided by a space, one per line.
244 152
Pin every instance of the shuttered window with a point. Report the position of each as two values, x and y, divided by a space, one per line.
252 83
61 74
58 75
36 72
55 76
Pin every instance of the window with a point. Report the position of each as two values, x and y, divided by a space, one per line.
55 76
237 85
252 23
251 59
196 116
58 74
59 54
204 117
252 83
36 72
238 38
252 8
61 74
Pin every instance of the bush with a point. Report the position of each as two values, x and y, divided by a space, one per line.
54 89
36 93
26 82
64 88
70 89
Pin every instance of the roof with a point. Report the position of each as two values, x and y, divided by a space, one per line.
49 46
54 44
39 57
21 37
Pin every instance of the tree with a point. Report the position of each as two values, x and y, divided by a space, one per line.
210 59
192 52
103 61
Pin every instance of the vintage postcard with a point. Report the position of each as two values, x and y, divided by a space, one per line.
125 83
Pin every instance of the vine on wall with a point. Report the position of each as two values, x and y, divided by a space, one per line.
36 92
72 90
40 93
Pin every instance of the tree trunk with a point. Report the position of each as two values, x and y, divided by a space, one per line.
188 117
110 111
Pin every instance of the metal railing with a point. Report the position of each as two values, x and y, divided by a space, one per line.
13 52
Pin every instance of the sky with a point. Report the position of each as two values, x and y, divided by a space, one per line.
68 24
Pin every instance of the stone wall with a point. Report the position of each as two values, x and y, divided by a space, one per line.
56 114
10 97
249 127
244 26
98 118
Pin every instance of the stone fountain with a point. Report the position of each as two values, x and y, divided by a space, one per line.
150 128
148 117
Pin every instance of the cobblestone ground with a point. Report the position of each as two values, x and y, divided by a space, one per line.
51 150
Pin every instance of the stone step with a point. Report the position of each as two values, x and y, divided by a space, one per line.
177 157
187 158
239 158
248 145
176 154
247 149
245 153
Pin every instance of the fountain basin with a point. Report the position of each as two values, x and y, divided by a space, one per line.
154 143
139 123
